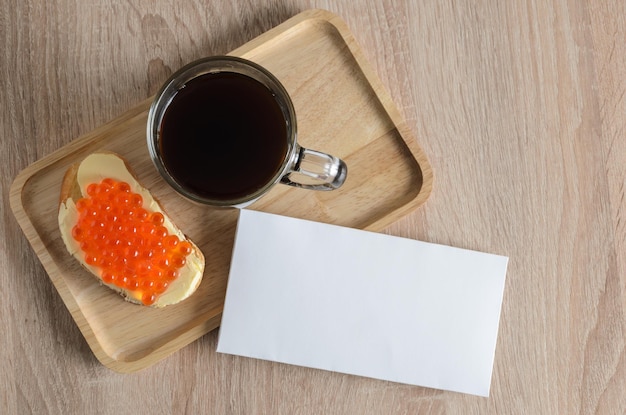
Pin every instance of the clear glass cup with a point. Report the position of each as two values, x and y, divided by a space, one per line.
300 167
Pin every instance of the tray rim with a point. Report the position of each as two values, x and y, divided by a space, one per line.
159 353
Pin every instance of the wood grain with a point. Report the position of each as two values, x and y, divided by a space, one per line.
520 108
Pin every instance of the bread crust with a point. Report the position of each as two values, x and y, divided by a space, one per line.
70 189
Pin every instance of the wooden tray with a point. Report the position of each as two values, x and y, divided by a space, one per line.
342 109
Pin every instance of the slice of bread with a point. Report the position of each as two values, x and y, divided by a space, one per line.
93 170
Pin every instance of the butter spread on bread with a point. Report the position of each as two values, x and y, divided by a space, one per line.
143 258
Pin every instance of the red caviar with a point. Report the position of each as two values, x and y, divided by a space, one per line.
130 245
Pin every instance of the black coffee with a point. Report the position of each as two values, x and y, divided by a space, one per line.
223 136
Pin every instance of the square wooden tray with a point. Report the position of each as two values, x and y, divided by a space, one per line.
342 109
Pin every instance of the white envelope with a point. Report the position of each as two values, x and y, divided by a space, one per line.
362 303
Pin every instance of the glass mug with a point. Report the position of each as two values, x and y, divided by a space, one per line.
222 132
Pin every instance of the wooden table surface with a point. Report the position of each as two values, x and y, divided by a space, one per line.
520 107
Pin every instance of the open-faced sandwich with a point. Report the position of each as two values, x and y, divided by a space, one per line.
114 227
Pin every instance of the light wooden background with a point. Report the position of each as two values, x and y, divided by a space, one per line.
520 107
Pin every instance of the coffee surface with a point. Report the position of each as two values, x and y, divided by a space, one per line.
223 136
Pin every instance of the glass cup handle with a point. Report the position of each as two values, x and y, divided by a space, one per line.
316 170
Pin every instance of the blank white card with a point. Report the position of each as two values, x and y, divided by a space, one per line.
362 303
